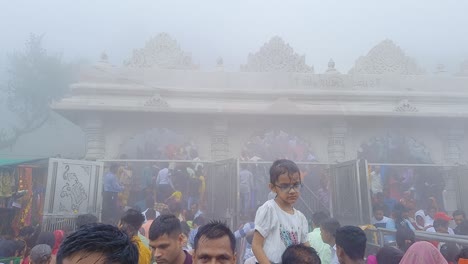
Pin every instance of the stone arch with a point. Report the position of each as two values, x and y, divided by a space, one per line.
270 145
160 144
394 148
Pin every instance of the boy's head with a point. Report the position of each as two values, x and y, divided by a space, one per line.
300 254
319 217
405 237
378 212
459 216
85 219
131 222
350 243
150 214
97 243
285 180
328 231
441 226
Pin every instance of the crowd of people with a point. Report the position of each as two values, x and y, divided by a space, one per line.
278 233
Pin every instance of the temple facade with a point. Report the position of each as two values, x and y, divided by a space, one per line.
385 109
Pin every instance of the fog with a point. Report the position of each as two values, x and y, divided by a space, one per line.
374 128
430 31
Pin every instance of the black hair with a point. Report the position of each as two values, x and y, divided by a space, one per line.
300 254
85 219
319 217
459 212
450 251
378 207
463 253
7 248
199 221
114 244
389 255
26 231
215 230
47 238
331 225
165 225
114 167
405 237
440 223
131 221
151 214
281 167
352 240
185 228
463 228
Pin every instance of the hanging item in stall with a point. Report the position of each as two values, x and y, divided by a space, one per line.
25 184
7 181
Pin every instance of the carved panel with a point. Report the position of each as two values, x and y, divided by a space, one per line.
156 101
276 56
405 106
386 57
161 51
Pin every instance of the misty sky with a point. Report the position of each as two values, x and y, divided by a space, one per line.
430 31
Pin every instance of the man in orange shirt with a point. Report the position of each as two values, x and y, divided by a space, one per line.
150 216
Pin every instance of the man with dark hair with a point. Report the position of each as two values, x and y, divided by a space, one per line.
97 243
300 254
130 223
458 216
328 232
85 219
315 237
214 242
167 240
350 245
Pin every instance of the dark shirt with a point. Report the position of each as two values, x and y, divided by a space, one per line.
188 258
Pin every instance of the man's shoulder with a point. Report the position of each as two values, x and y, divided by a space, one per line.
188 258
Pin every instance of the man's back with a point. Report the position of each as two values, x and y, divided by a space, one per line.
323 250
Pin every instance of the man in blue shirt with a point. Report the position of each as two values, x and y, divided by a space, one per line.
112 187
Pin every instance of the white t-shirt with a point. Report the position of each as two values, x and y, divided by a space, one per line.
334 257
382 223
279 229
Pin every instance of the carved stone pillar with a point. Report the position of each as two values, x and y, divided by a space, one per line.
452 140
219 140
95 144
336 141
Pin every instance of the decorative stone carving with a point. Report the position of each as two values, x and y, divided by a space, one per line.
276 56
386 57
405 106
336 142
453 138
156 101
219 140
163 52
95 144
331 67
463 69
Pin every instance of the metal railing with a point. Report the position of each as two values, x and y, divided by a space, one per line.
420 235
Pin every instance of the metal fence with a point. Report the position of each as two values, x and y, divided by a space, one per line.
357 185
376 238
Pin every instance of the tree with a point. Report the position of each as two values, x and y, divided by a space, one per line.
35 79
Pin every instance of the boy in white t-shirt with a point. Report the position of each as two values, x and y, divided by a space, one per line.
277 224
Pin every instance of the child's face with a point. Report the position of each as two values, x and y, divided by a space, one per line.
287 187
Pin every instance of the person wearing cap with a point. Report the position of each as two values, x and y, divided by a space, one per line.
40 254
441 224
